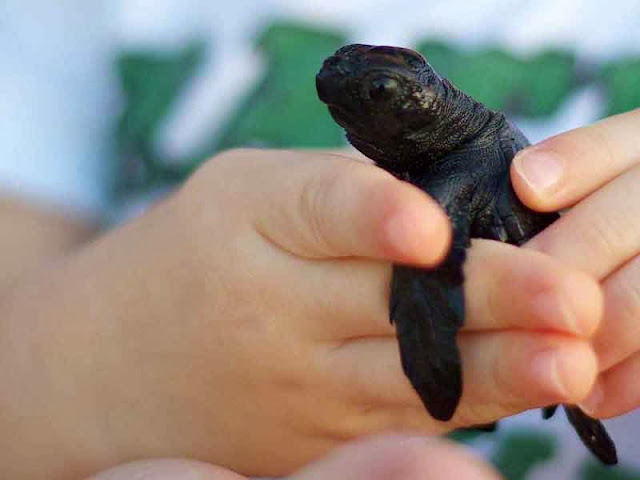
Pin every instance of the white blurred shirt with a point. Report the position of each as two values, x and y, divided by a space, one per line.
59 98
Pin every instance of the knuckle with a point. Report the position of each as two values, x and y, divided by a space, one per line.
606 235
494 307
503 373
323 202
223 159
241 163
208 176
313 199
627 296
597 141
502 378
234 154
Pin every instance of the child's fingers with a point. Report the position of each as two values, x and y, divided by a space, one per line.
504 373
392 457
514 288
316 205
395 457
167 469
562 170
600 233
617 390
506 288
621 336
524 370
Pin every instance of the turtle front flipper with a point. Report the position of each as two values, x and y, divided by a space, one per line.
593 434
427 308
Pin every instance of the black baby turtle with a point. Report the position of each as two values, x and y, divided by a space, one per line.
412 122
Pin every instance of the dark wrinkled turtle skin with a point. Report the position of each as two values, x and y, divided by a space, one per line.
400 113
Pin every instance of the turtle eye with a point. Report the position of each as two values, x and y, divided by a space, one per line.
383 88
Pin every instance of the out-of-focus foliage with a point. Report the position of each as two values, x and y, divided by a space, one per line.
521 451
592 470
531 87
151 82
468 435
282 110
622 84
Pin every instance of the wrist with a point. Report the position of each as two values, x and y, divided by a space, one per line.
43 429
66 337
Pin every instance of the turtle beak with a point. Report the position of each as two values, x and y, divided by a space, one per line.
327 81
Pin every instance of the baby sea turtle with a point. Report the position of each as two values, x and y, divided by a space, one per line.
415 124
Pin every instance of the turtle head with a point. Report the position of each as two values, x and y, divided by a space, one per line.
380 95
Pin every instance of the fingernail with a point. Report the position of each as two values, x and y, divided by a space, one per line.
541 169
591 404
547 367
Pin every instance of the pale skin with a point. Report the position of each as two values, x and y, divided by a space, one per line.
600 236
31 235
391 457
244 321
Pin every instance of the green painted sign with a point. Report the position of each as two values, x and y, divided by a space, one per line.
282 110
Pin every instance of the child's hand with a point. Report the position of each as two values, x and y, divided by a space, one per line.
286 349
598 170
391 457
245 322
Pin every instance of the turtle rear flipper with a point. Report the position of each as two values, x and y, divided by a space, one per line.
593 434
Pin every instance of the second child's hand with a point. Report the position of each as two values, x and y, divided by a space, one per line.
596 171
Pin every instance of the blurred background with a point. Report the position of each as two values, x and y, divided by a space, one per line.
107 104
